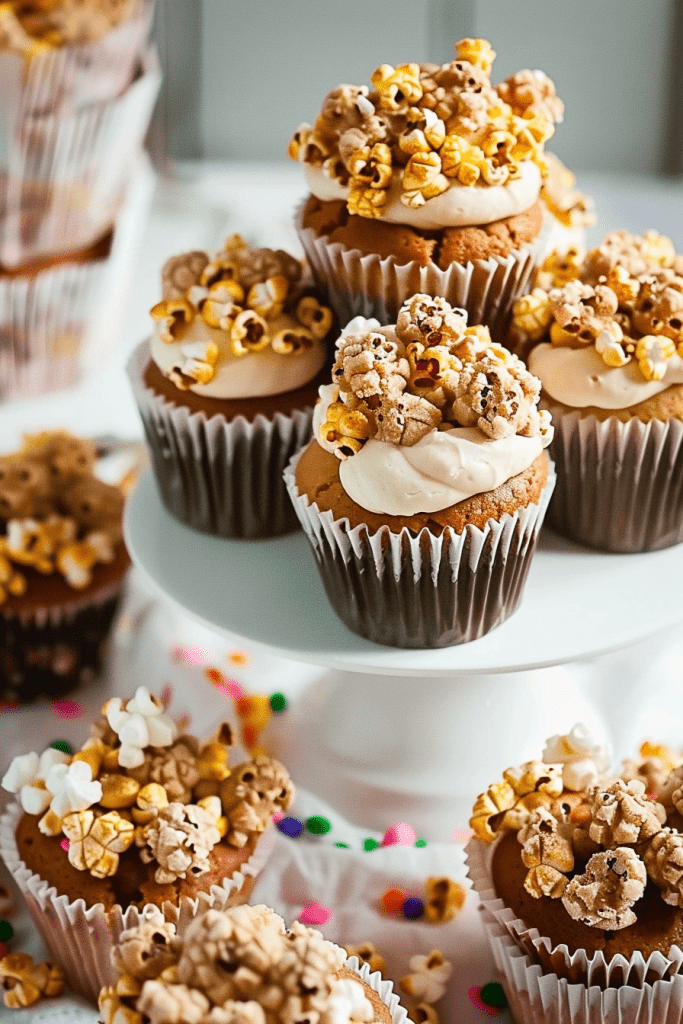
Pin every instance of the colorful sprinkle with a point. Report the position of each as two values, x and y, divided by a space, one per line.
399 834
474 994
67 709
278 701
345 846
318 825
370 844
493 995
420 842
232 688
65 844
393 900
166 695
191 655
6 931
241 658
277 816
291 827
413 908
315 913
62 745
214 676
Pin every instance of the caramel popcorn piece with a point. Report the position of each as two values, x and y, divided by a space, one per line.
24 982
180 273
405 419
427 982
445 899
432 321
346 429
251 794
151 799
663 858
175 768
316 318
602 897
366 202
397 87
219 307
424 132
622 814
658 308
548 854
652 353
654 770
116 1009
96 842
531 317
367 954
478 52
422 179
180 838
197 366
174 315
462 160
636 254
532 91
499 396
506 805
267 298
292 340
249 333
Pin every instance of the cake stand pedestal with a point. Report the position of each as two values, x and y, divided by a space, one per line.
393 734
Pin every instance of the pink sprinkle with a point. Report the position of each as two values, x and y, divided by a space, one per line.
67 709
315 913
232 688
65 844
462 835
277 816
191 655
399 834
166 695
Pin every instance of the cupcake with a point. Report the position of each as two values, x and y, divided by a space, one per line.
425 485
241 965
605 336
139 819
227 385
571 212
579 876
62 566
429 182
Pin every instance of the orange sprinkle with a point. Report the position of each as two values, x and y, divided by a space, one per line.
249 735
393 900
244 706
240 658
214 675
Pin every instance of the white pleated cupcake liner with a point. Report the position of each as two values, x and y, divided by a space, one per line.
369 286
80 938
619 485
223 477
592 971
58 325
65 174
383 988
422 591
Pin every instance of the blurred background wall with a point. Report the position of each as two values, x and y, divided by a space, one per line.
240 76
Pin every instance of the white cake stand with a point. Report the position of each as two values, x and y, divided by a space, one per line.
391 734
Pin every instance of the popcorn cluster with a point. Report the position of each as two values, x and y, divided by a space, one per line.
625 298
431 370
238 966
428 126
571 207
135 781
243 292
55 516
33 28
619 830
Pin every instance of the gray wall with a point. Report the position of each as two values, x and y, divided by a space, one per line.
242 75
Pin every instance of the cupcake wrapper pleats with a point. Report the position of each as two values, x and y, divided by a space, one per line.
426 591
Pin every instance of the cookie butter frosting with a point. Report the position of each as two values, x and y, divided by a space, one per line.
433 145
608 330
427 413
240 325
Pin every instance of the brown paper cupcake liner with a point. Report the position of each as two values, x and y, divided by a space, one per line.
53 650
380 985
619 485
369 286
581 968
421 591
65 173
220 476
80 938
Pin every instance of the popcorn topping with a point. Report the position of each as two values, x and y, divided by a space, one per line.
139 723
603 895
180 838
96 842
24 982
72 788
506 805
251 794
424 124
584 760
547 852
623 814
428 977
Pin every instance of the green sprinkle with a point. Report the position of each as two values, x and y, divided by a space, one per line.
493 995
318 825
6 931
62 745
370 844
420 842
278 701
345 845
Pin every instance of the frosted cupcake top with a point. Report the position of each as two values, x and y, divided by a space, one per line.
427 412
55 515
607 331
567 810
137 783
433 145
32 27
241 325
235 966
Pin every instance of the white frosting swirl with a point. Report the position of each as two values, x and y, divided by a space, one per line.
579 377
254 375
459 206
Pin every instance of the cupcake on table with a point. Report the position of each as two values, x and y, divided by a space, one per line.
579 871
428 182
425 485
139 819
605 336
227 385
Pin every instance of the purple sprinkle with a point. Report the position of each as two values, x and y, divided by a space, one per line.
291 827
413 908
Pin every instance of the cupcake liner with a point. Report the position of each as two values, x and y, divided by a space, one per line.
79 938
383 988
369 286
581 968
425 591
220 476
58 324
54 649
66 173
549 999
619 485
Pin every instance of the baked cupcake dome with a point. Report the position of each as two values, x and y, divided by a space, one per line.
428 182
139 817
227 386
605 336
439 449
